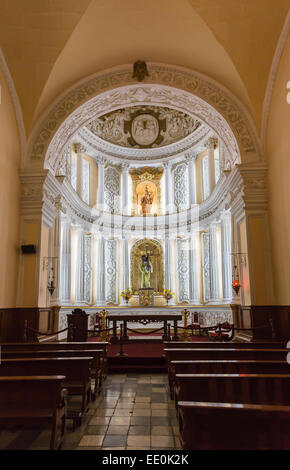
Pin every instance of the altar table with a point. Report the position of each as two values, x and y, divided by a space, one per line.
144 320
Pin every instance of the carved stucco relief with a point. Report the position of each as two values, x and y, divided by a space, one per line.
185 90
183 270
112 188
111 271
180 184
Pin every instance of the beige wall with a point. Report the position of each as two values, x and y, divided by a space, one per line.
9 198
278 157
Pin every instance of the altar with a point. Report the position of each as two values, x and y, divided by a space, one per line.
144 319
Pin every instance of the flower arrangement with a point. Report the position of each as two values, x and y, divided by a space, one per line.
127 294
167 294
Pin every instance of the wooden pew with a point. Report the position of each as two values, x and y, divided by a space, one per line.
183 354
224 344
96 354
97 345
228 426
30 401
75 369
227 367
262 389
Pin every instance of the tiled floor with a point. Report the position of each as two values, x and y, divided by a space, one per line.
133 412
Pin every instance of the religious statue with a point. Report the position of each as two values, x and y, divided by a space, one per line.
146 200
146 269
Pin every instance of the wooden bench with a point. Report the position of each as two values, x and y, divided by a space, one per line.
226 354
230 426
96 345
226 367
224 345
75 369
262 389
34 401
96 354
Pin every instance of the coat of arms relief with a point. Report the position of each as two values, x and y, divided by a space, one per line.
144 126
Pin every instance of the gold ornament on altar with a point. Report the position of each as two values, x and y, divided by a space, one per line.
185 335
104 334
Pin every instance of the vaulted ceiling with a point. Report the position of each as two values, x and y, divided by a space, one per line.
51 44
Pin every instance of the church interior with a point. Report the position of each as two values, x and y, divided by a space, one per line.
145 225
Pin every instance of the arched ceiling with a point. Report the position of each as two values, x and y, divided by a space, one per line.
49 45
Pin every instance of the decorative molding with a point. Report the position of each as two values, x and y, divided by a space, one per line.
111 271
112 190
182 89
183 294
180 184
143 126
16 103
272 78
115 153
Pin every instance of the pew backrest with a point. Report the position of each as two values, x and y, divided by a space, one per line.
233 388
205 425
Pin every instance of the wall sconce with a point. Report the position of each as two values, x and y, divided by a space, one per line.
239 258
236 286
51 282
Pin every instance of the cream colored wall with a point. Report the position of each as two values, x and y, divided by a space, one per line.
28 295
241 246
43 299
278 157
112 33
9 198
35 34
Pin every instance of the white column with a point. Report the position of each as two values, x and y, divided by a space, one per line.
101 172
226 241
214 265
169 266
211 145
191 179
56 258
168 187
79 297
65 263
125 267
94 269
101 297
125 189
79 150
88 268
194 269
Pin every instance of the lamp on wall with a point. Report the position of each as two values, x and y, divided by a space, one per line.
236 286
239 258
51 282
